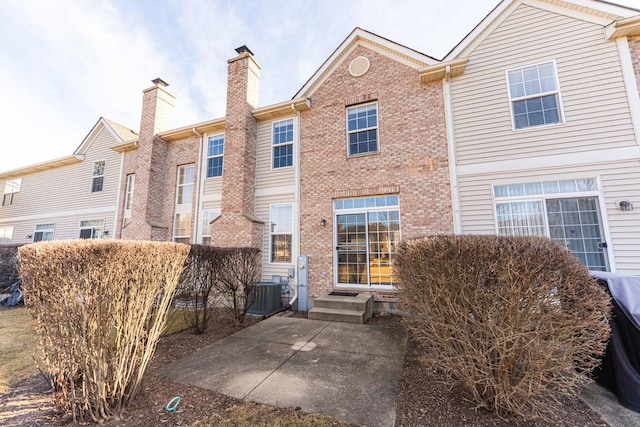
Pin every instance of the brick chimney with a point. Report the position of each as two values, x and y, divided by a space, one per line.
157 116
237 224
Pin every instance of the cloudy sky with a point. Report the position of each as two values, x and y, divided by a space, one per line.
66 63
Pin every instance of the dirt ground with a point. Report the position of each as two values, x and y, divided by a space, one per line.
424 398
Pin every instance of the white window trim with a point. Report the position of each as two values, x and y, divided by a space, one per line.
104 174
178 185
377 128
557 92
128 198
271 234
48 230
273 146
8 185
93 227
207 157
205 230
188 228
365 210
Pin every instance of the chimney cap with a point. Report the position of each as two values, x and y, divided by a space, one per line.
159 82
244 49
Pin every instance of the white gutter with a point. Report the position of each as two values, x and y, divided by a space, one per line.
199 187
117 229
296 203
451 143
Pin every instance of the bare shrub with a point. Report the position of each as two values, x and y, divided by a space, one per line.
518 320
238 279
198 289
98 309
8 264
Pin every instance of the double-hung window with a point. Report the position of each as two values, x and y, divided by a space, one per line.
97 180
43 233
11 192
534 95
362 129
128 199
215 155
283 144
184 198
281 231
93 229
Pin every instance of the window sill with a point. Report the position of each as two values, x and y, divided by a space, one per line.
536 127
355 156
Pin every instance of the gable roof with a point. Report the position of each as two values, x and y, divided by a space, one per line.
596 11
360 37
118 132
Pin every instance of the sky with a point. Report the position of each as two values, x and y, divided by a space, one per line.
66 63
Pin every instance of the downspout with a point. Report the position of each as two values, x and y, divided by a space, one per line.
296 201
451 144
196 215
116 219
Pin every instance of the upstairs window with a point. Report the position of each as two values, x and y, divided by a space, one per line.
43 233
362 129
11 192
184 190
283 144
97 181
215 156
128 199
534 95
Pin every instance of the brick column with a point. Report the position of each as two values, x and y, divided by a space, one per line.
237 225
148 199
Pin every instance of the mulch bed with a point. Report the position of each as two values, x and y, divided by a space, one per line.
424 397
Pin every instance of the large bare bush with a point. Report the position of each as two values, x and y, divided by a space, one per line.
238 279
518 320
199 286
98 308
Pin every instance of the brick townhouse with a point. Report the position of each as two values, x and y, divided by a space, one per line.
381 144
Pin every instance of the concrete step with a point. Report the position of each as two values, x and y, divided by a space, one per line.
361 302
337 315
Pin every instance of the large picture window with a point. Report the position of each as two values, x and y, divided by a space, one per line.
534 95
362 129
281 230
283 144
367 234
566 211
215 156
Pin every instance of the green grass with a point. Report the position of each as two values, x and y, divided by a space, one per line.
18 344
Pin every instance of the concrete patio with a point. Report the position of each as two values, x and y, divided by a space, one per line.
347 371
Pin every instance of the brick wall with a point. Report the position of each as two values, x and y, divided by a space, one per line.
412 161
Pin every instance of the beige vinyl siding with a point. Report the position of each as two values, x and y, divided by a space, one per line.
212 186
63 195
263 211
619 181
592 91
266 177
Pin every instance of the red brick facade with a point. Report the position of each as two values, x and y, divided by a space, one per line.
412 158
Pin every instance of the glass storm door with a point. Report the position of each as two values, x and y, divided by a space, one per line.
366 244
575 223
352 248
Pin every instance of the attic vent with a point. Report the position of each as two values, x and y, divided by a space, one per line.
359 66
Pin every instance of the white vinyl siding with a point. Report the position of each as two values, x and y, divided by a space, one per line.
66 202
587 66
266 176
